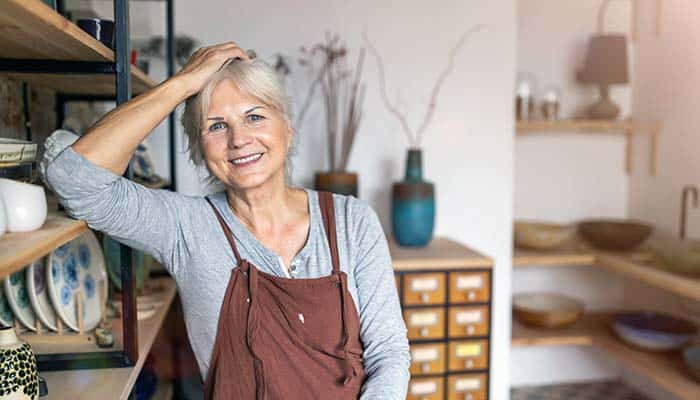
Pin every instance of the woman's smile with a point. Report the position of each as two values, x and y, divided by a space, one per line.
247 160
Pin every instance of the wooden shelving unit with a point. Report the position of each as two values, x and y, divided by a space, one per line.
113 383
441 253
560 257
664 369
19 249
32 30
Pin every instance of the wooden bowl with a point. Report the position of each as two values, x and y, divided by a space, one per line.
616 235
540 236
546 310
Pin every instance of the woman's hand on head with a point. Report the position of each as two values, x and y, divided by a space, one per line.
206 61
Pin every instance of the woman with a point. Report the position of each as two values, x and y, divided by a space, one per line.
287 292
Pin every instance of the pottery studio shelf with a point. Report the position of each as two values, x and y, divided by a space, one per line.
32 30
19 249
441 253
114 383
628 127
664 369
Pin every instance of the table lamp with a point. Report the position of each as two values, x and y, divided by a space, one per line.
606 64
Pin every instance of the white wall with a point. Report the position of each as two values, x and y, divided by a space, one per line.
469 146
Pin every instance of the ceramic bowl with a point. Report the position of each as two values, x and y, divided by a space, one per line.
25 205
681 256
541 236
546 310
615 235
653 331
691 357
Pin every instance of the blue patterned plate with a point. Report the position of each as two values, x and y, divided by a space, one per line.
39 294
77 266
7 317
17 296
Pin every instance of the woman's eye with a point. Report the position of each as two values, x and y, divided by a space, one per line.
217 126
255 118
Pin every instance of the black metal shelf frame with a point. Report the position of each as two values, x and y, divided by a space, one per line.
121 68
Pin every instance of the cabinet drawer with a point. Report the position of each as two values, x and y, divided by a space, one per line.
467 387
468 321
469 287
424 288
425 323
467 355
427 358
426 389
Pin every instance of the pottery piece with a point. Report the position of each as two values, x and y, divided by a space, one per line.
39 294
680 256
16 293
546 310
7 317
25 205
105 337
541 236
413 205
18 372
615 235
653 331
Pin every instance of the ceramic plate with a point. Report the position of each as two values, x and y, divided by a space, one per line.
7 318
18 297
77 266
39 294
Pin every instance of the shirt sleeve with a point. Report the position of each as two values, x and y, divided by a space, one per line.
382 329
142 218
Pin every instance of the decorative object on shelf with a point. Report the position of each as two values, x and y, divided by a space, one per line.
16 151
524 97
342 95
551 103
653 331
7 317
615 235
76 270
100 29
105 337
141 265
413 199
39 294
691 357
25 205
680 256
693 192
546 310
16 293
18 371
541 236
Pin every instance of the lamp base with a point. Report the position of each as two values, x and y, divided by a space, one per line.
604 108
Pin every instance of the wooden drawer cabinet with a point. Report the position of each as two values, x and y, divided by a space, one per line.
427 358
470 287
467 321
424 288
467 387
425 323
429 388
468 355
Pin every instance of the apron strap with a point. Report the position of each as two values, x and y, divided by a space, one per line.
325 200
227 231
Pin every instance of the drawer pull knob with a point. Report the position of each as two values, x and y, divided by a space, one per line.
424 331
425 368
468 396
470 329
424 297
471 295
469 364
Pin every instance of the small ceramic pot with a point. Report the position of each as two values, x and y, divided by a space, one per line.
25 205
100 29
18 372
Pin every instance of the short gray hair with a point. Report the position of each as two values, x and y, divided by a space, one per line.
254 77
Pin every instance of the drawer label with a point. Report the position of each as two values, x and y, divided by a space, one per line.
468 317
470 282
468 350
467 384
424 319
425 354
423 388
424 284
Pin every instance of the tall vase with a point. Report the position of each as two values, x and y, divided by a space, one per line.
413 205
18 373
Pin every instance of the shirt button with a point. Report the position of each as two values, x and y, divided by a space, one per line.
293 267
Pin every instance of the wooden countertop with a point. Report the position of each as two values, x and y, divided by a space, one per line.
440 253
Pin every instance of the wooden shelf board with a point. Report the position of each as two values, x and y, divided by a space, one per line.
563 257
109 383
585 125
440 253
29 29
19 249
665 369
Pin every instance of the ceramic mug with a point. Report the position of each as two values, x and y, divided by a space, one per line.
25 205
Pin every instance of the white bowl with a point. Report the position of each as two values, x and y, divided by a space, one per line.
25 205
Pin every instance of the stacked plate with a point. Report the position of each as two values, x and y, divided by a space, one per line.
49 288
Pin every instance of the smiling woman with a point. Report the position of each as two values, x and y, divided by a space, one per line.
286 292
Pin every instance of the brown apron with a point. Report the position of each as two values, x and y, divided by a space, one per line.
282 338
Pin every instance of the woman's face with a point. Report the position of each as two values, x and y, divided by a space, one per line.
244 141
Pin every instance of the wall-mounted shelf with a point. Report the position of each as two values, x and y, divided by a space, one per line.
664 369
628 127
32 30
559 257
19 249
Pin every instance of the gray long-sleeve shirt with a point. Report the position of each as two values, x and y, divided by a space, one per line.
182 233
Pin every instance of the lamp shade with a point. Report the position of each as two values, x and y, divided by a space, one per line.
606 60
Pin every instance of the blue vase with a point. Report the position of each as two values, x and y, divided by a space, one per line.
413 205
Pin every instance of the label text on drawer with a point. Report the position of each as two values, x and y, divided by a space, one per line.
468 350
424 284
423 387
468 317
467 384
424 319
470 282
425 355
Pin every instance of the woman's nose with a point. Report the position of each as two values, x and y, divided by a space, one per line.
239 138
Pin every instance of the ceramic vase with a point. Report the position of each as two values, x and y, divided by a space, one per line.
413 205
18 373
336 182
